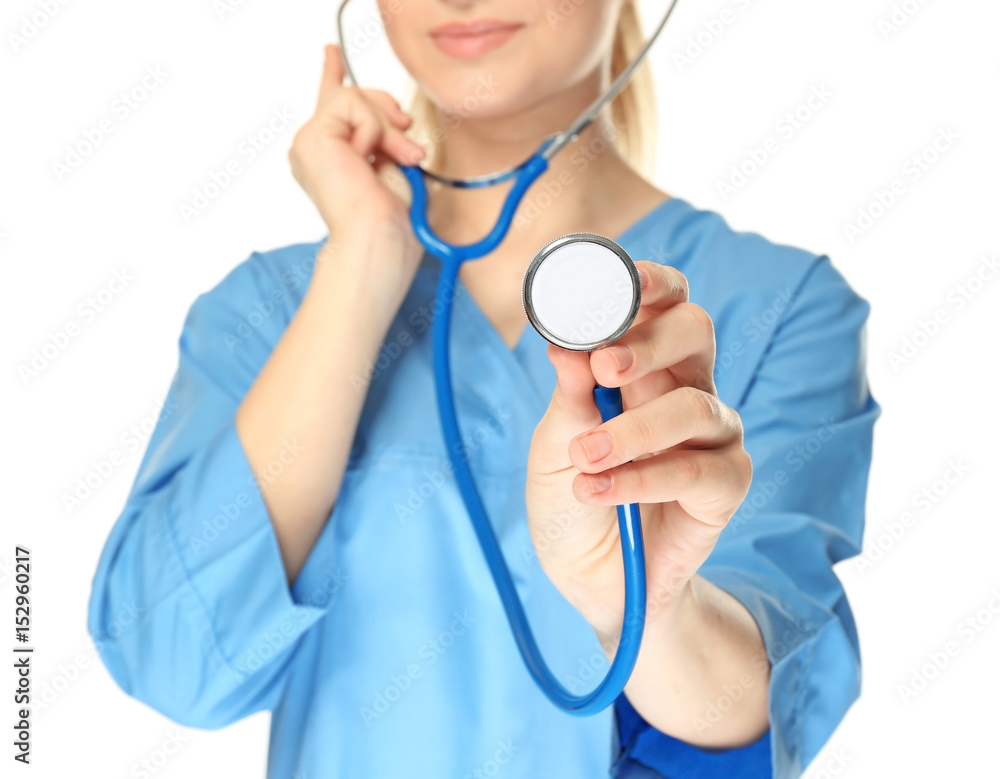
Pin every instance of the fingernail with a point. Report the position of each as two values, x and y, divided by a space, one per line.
622 355
643 278
599 482
596 445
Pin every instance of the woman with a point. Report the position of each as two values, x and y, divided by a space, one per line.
295 540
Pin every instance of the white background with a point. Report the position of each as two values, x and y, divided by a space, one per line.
61 241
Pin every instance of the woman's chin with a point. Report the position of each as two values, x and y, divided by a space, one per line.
458 106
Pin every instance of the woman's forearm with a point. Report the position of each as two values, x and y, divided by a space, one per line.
305 404
702 674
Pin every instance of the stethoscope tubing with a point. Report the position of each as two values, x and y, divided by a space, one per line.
609 404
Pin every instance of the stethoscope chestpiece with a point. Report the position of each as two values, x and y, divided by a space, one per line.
581 291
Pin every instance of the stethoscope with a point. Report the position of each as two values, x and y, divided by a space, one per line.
581 292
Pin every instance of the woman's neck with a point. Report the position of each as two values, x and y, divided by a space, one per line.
587 186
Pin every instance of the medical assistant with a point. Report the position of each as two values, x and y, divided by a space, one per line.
390 656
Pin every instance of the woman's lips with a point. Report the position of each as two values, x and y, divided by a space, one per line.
463 41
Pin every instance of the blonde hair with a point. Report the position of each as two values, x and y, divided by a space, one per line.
632 111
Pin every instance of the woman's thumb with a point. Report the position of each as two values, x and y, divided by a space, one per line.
571 411
573 398
333 70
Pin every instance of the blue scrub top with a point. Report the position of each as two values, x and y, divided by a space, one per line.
390 655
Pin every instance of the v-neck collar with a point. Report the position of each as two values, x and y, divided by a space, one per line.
622 238
522 359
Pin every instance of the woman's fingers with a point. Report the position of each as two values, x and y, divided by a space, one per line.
333 79
351 116
715 480
670 344
333 73
685 415
394 121
370 119
667 286
393 110
681 339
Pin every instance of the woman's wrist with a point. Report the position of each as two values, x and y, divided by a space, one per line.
694 650
370 263
669 616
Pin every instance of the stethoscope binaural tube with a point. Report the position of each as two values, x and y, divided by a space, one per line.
451 254
609 404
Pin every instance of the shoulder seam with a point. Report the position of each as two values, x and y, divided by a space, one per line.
815 262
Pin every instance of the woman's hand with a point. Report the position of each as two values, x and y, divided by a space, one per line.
339 157
676 450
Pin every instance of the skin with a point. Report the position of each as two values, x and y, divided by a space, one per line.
677 450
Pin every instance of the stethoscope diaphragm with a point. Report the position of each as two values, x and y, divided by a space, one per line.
581 291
